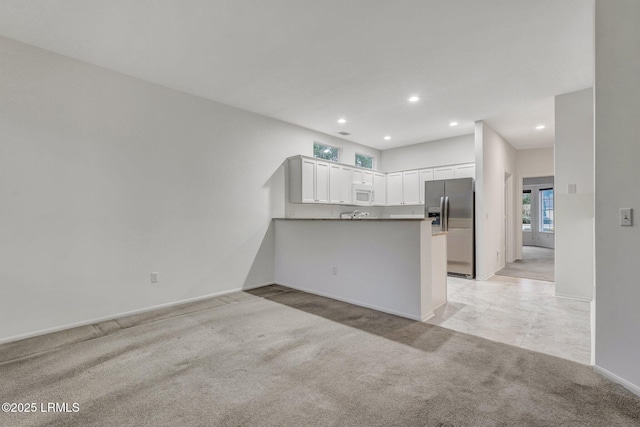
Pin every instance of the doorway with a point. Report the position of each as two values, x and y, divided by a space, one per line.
538 232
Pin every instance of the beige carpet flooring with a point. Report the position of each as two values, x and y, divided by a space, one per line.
536 263
276 357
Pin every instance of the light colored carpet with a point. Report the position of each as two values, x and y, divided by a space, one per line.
536 263
275 357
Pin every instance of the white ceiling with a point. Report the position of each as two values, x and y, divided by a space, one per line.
310 62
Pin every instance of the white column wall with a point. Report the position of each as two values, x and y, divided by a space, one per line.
617 136
574 161
495 157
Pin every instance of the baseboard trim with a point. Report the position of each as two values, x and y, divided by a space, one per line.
613 377
572 297
126 313
354 302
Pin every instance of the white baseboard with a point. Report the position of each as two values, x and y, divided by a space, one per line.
572 297
126 313
613 377
354 302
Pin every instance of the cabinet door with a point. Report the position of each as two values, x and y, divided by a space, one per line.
346 185
308 181
465 171
425 175
367 177
335 184
410 188
379 189
444 173
322 182
394 188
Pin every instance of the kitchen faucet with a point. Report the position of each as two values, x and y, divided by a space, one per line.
357 214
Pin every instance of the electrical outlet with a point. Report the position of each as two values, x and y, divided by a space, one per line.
155 277
626 216
335 271
292 213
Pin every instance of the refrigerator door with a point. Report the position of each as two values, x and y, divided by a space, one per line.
433 203
461 233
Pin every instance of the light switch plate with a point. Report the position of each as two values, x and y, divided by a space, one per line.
626 216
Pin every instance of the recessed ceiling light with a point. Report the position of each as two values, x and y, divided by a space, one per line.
342 121
453 124
387 137
414 99
539 127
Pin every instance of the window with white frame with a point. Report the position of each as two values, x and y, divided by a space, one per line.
326 152
364 161
546 210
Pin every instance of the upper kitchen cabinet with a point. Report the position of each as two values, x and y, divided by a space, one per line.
379 188
309 181
361 176
340 184
444 172
425 175
465 171
403 188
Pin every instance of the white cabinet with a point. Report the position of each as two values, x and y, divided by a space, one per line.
403 188
445 172
362 176
465 171
379 188
394 188
309 181
410 188
322 182
319 181
339 184
425 175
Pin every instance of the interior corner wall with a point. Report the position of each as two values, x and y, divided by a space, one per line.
537 162
574 151
495 157
617 153
105 178
448 151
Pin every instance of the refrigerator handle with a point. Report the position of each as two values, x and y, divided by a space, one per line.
445 214
442 224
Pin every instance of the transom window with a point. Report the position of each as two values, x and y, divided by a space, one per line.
364 161
325 152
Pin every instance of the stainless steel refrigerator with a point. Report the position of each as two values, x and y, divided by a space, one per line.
451 202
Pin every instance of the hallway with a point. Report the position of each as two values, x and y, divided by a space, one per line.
537 263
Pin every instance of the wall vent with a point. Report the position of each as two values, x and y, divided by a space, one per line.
344 133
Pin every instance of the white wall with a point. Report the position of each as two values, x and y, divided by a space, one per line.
459 149
574 152
617 153
105 178
531 163
495 157
385 265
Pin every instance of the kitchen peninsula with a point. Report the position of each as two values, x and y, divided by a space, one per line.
391 265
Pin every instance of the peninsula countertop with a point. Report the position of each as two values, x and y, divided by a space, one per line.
353 220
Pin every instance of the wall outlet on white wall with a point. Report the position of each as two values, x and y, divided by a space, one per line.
335 271
155 277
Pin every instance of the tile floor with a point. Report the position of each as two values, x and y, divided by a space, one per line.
520 312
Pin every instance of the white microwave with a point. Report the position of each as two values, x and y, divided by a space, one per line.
362 194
